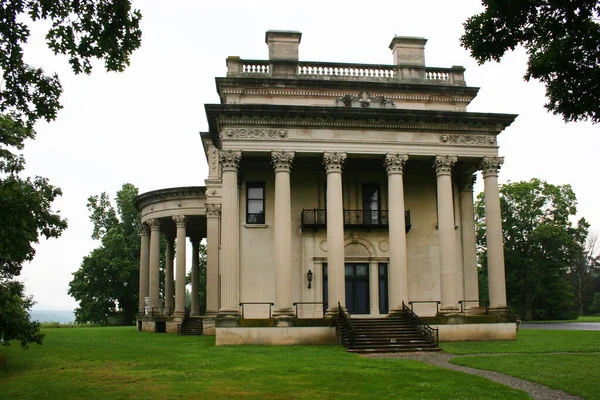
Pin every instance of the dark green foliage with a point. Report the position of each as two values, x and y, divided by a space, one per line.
14 316
540 245
106 284
562 40
201 281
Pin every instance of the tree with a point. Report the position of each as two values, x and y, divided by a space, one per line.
201 280
540 243
83 30
562 40
106 284
585 272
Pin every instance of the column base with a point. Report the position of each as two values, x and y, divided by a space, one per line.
228 317
449 310
284 313
179 314
498 310
195 314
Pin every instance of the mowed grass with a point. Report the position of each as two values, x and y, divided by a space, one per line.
101 363
534 359
581 318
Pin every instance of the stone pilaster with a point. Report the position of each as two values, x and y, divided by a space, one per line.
467 214
194 296
154 290
490 167
230 225
144 265
180 222
398 269
282 163
212 259
333 163
170 251
374 287
448 268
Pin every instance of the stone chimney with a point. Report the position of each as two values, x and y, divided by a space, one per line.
408 51
283 45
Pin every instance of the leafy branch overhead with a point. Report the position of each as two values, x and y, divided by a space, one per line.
562 40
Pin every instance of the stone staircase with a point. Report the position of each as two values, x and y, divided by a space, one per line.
191 326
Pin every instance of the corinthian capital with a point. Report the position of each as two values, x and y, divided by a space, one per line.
212 210
230 160
443 164
490 166
394 163
144 229
154 224
334 161
180 220
282 160
467 183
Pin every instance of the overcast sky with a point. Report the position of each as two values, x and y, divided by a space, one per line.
141 126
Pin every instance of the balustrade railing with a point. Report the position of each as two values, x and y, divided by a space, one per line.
479 302
255 67
296 304
343 70
317 218
431 334
257 302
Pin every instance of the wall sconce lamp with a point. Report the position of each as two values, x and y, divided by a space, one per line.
309 276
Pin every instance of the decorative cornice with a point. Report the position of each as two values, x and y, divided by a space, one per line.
334 161
364 100
144 229
282 160
470 140
180 221
230 160
147 198
443 164
394 163
255 133
212 210
490 166
154 224
467 183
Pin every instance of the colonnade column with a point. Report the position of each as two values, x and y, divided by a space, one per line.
374 287
212 259
398 269
467 214
490 167
194 296
230 225
169 252
180 222
282 163
144 263
335 232
154 286
448 268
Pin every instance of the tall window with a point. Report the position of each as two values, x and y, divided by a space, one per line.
255 202
370 197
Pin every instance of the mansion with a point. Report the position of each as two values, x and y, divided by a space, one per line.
333 188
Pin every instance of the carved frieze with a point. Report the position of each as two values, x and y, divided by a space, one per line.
255 133
394 163
230 160
213 162
469 140
490 166
282 160
443 164
333 161
364 100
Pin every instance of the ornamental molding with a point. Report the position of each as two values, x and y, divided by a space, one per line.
443 164
213 161
230 160
255 133
334 161
282 160
154 224
212 210
467 183
180 221
364 100
144 229
469 140
490 166
394 163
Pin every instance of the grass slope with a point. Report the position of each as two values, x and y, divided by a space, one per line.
100 363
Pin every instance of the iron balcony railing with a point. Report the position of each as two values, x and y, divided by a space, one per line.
317 218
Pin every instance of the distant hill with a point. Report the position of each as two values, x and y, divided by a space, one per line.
62 316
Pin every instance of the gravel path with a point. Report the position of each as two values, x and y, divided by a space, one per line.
442 359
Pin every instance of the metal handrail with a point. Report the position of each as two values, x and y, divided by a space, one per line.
344 319
315 217
431 334
437 304
485 302
305 302
257 302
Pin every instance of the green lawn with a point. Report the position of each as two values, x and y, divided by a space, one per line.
101 363
576 373
581 318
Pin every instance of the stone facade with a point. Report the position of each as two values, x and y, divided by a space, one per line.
329 183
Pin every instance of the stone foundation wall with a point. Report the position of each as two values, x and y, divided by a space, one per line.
465 332
275 336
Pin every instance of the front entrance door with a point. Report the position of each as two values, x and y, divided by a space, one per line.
357 288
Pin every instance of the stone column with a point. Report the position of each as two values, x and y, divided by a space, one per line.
398 269
194 297
374 287
144 263
490 167
212 259
180 222
230 225
282 163
170 251
335 232
448 268
467 214
154 290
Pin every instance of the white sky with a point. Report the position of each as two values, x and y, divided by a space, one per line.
141 126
